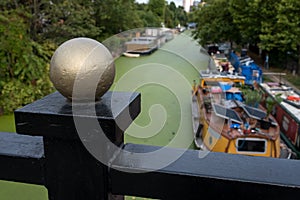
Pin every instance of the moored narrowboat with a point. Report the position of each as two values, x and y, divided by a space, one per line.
223 122
286 111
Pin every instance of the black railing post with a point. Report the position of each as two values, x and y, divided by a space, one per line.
71 171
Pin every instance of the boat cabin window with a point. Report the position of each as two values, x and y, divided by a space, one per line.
209 83
251 145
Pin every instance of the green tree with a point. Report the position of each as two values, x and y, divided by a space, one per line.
155 12
157 7
271 25
170 16
150 19
24 63
247 19
115 16
175 15
63 20
215 23
268 12
282 34
181 16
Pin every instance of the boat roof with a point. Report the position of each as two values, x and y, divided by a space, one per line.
294 111
291 107
275 86
220 56
211 83
142 40
213 74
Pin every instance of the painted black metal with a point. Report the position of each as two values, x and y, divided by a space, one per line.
216 176
51 154
52 115
21 158
71 172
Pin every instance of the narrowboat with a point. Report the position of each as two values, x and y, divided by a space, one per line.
221 63
286 111
224 122
142 45
245 66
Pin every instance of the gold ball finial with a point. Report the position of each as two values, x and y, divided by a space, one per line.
82 68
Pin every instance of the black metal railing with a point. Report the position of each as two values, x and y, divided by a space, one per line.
46 150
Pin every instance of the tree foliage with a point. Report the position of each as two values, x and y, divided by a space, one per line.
180 16
115 16
66 19
158 8
215 23
272 25
284 30
23 69
31 30
247 19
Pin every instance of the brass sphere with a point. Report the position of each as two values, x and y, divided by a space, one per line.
81 69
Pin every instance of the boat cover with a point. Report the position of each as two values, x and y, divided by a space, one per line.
247 67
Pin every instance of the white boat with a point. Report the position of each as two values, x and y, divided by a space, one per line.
131 55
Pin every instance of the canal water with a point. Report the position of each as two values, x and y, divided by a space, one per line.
165 80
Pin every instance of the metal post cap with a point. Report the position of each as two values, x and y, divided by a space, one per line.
82 69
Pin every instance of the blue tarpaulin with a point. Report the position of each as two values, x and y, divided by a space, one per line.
234 60
252 72
249 69
225 85
229 94
234 96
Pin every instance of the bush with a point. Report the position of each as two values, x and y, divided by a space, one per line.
16 93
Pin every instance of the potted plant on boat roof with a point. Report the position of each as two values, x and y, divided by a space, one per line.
271 102
252 96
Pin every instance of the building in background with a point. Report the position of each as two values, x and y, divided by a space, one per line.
196 3
188 4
